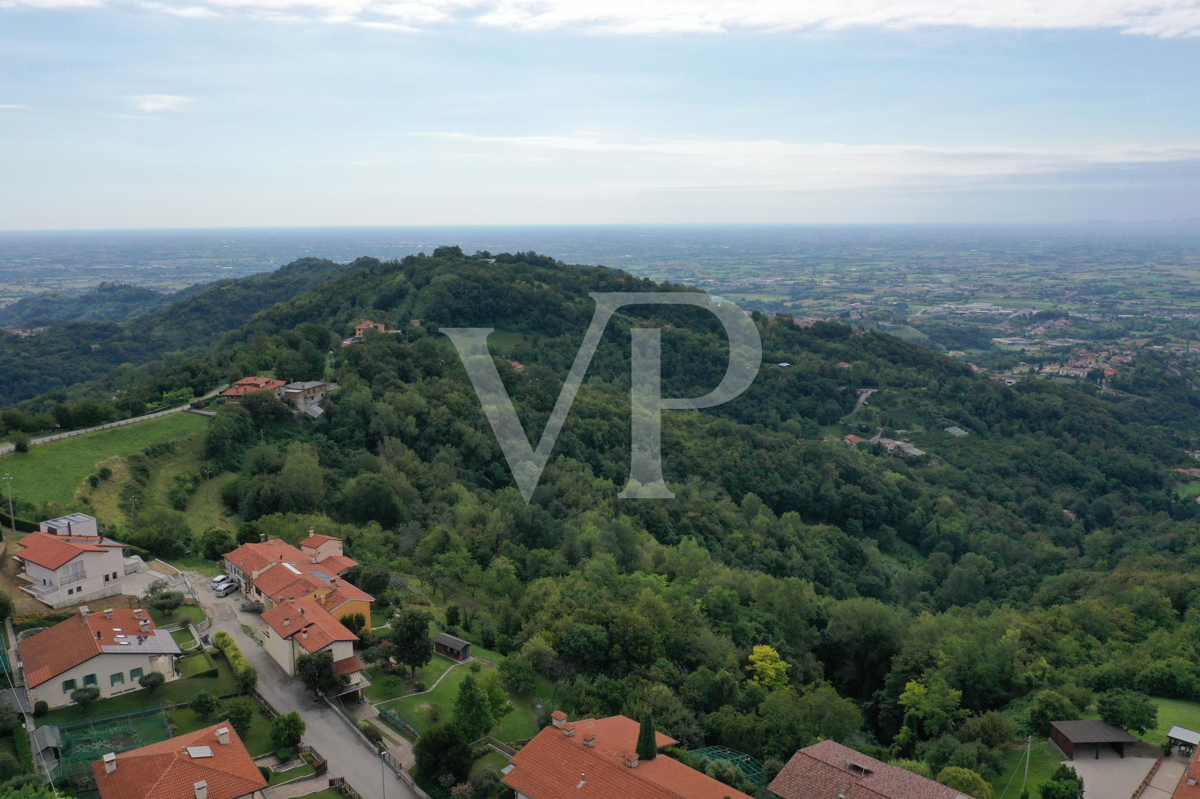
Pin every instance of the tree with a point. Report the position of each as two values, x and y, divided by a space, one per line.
240 713
767 668
354 622
205 704
288 730
374 579
453 615
1064 783
301 483
35 790
647 740
931 706
965 781
1047 706
1128 710
318 675
151 682
991 729
21 442
216 541
371 498
228 434
412 643
6 607
518 675
9 719
162 531
167 602
84 697
264 407
443 750
472 712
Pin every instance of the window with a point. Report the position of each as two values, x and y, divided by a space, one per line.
135 675
117 679
106 578
68 686
89 680
114 575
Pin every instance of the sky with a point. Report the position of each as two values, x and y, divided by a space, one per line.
212 113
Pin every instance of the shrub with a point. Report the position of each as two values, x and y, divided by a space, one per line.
21 442
245 674
40 708
94 480
104 473
265 772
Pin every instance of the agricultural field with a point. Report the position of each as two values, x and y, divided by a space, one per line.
52 473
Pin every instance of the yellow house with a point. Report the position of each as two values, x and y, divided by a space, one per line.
308 582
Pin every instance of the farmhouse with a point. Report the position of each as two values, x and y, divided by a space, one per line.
306 628
110 650
211 763
1068 735
68 562
596 759
241 388
828 770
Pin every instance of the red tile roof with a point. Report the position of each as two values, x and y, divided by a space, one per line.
248 384
285 581
254 557
828 770
293 619
345 592
348 665
316 540
337 564
53 551
1183 790
73 641
166 770
554 766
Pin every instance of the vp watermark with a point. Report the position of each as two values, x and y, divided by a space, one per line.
647 401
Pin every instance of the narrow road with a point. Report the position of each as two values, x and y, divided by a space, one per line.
864 394
33 442
327 732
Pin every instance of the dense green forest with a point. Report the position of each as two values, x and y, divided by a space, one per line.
106 302
927 609
46 364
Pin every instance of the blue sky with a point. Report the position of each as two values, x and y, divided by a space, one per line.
116 113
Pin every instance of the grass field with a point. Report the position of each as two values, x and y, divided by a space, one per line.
391 686
184 615
1043 760
518 724
205 508
1173 712
490 760
328 793
52 472
258 741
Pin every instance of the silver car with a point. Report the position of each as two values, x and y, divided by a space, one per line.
226 588
220 580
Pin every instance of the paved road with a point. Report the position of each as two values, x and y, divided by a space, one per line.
33 442
327 732
864 394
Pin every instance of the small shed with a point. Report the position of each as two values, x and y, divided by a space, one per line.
1187 740
1068 735
451 647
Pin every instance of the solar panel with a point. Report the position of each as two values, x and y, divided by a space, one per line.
200 751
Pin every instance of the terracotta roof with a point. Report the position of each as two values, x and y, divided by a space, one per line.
348 665
828 770
345 592
253 557
290 619
167 770
337 564
285 581
1189 780
554 766
53 551
317 539
77 640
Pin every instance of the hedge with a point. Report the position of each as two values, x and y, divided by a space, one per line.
23 525
245 674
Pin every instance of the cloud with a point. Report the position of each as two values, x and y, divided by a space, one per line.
152 103
188 12
13 107
776 165
1161 18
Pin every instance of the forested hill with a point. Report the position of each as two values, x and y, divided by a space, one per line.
88 349
108 302
1020 570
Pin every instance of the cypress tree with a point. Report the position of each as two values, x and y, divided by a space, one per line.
647 742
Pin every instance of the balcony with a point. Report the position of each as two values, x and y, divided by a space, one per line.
72 578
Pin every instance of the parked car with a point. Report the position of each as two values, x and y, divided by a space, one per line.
220 580
225 589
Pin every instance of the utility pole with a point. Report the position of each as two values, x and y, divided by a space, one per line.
1028 744
12 520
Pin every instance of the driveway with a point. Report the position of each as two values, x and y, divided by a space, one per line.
1110 777
327 732
1163 783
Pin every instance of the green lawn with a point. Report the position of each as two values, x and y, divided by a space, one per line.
1173 712
390 686
490 760
182 616
52 472
258 741
172 693
378 618
191 665
328 793
517 725
184 639
205 508
303 770
197 563
1043 760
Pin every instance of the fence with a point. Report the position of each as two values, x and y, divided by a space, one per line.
398 722
496 746
7 448
384 755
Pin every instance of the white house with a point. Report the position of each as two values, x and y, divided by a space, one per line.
110 650
306 628
65 566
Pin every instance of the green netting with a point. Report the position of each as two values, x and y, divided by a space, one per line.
88 740
749 766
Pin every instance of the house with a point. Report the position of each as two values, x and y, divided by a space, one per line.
362 328
110 650
306 628
843 365
211 763
451 647
852 440
305 394
596 759
250 560
68 562
828 770
246 385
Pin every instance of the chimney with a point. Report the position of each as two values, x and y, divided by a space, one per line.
287 622
137 614
201 789
99 635
83 611
631 760
223 735
321 599
110 763
108 613
582 779
262 538
304 633
301 611
312 559
589 740
569 730
558 718
145 625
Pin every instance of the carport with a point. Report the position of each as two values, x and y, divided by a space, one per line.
1067 735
